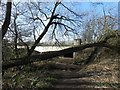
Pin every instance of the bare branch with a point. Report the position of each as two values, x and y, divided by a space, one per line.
40 20
20 39
44 31
65 26
70 10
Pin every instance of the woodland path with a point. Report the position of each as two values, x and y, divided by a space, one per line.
68 75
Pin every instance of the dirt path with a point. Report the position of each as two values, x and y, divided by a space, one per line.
70 78
68 75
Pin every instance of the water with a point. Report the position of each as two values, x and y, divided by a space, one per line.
49 48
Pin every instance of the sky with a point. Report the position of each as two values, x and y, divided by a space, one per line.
89 6
66 0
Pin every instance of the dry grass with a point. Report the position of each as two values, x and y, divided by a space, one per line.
105 72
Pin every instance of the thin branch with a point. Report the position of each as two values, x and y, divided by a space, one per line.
65 26
40 10
20 39
70 10
40 20
66 18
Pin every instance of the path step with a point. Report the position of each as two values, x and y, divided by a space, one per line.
66 66
79 83
68 61
71 83
58 66
58 74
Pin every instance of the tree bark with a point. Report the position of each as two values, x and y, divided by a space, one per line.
7 19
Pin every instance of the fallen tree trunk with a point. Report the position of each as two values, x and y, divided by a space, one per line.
45 56
93 55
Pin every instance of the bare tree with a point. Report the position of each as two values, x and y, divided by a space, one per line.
53 22
99 25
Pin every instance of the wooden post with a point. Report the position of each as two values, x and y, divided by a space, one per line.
1 60
76 42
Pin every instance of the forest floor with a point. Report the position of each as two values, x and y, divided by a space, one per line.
62 73
96 75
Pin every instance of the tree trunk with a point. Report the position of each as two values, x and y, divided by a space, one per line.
39 38
48 55
92 55
44 31
7 19
16 36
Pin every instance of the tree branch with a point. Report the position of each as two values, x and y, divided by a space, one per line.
44 31
71 10
65 26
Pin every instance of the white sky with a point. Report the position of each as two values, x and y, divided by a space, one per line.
45 39
63 0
